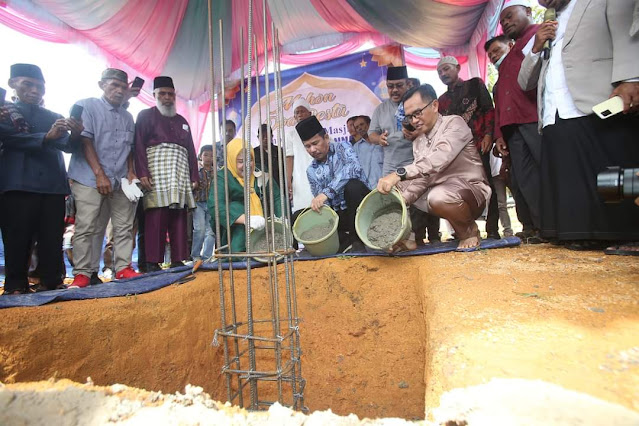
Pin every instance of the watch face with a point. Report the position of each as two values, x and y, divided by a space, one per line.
401 171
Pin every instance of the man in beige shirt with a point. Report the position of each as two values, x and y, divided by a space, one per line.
446 177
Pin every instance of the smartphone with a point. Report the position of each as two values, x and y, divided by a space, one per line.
408 126
76 112
609 107
138 82
3 94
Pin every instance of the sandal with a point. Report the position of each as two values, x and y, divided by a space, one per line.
626 249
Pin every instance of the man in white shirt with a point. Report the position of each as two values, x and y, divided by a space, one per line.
297 161
592 57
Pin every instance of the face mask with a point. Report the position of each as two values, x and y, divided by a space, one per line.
500 60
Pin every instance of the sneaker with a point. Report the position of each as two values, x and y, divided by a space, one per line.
125 273
80 281
95 280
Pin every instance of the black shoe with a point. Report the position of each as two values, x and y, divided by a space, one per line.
94 280
152 267
493 236
587 245
176 264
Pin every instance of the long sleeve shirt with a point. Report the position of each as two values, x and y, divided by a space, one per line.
471 101
513 105
447 151
152 128
331 175
28 162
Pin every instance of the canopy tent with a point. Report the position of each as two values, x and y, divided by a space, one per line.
170 37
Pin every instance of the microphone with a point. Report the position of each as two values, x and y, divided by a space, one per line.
549 15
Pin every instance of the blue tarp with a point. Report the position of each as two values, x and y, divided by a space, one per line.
156 280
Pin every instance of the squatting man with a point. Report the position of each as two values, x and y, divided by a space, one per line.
446 177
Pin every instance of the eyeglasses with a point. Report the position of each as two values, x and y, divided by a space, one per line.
417 114
397 86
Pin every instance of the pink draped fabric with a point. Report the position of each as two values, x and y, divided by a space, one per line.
39 30
335 51
341 16
462 2
240 20
141 33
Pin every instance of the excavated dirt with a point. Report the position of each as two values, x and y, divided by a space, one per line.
381 337
385 228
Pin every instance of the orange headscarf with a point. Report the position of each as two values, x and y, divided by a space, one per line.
234 150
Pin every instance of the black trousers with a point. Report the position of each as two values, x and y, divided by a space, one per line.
574 152
492 218
524 144
354 192
29 217
421 222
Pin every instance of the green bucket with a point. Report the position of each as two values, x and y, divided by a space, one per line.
326 245
376 204
258 238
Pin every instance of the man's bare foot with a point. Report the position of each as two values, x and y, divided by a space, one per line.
469 243
406 245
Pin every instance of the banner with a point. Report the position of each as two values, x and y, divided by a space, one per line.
336 90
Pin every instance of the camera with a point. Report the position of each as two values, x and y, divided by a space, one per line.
615 184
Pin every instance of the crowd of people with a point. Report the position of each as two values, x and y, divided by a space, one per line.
450 157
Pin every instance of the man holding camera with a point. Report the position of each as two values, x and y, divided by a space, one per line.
33 181
579 60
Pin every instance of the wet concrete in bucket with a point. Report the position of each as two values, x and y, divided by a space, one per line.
318 232
386 226
262 246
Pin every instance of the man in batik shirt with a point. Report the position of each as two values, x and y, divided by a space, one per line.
336 179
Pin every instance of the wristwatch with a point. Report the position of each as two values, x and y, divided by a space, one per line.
401 172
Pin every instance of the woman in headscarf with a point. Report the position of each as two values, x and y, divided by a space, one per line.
237 218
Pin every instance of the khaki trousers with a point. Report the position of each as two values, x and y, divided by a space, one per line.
93 211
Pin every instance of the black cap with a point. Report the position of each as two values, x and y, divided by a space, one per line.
396 73
163 81
26 70
308 128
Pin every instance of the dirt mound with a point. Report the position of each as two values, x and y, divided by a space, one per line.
381 336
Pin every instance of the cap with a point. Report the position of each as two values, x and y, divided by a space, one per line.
447 60
524 3
26 70
301 102
308 128
163 81
116 74
396 73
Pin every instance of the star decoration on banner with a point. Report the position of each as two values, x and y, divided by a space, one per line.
363 63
